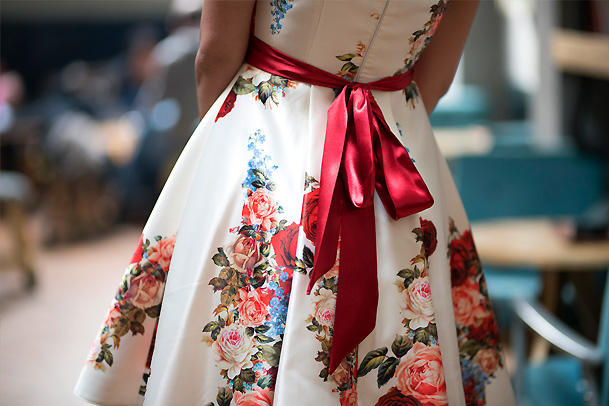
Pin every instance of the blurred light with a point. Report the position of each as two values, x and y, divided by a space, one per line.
165 114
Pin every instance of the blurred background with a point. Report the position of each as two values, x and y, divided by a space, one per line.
97 100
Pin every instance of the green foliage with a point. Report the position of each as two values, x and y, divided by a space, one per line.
371 361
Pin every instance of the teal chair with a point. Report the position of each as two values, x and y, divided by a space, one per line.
569 378
519 182
515 181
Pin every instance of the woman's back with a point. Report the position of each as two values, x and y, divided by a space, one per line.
362 40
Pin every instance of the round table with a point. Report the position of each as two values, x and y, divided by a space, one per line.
537 243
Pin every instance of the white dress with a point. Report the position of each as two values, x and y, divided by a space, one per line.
229 246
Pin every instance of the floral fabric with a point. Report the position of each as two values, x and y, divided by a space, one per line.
213 307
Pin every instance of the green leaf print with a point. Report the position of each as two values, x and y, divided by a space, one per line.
422 336
218 284
345 57
270 354
372 360
248 375
349 67
243 86
265 90
220 258
123 326
401 345
278 81
386 370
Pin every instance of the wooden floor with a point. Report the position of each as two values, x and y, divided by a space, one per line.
46 335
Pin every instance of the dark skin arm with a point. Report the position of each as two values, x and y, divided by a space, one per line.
435 70
225 30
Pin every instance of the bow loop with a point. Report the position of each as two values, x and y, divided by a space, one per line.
357 166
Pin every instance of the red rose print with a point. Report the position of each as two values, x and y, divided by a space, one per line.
396 398
487 331
284 244
309 214
228 104
430 240
464 259
137 255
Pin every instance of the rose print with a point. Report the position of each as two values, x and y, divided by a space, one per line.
145 291
396 398
464 260
138 298
479 345
488 360
244 254
468 304
233 350
162 252
246 330
253 307
487 332
137 255
417 305
429 238
285 244
113 314
257 397
349 397
309 214
260 209
420 374
324 307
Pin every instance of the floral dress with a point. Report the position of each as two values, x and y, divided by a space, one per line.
213 307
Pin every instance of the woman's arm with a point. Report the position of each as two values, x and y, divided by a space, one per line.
225 31
435 70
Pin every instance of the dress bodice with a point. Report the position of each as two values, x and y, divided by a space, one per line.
360 40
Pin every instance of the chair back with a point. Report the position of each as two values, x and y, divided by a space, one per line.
603 343
528 184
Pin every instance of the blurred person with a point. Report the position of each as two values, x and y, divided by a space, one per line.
170 117
16 190
268 249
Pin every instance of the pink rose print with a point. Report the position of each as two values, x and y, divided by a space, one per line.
253 307
162 252
324 307
417 305
420 374
342 374
113 314
468 302
145 291
233 350
488 360
244 254
260 209
256 397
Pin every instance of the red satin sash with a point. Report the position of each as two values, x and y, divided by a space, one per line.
360 154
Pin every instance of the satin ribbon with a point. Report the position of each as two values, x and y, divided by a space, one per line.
360 154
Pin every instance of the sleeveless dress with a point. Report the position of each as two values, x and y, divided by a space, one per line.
229 247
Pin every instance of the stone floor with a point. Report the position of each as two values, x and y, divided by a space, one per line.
45 335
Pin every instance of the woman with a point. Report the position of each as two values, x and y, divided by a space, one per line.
268 247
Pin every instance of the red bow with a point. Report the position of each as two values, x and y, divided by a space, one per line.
360 154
